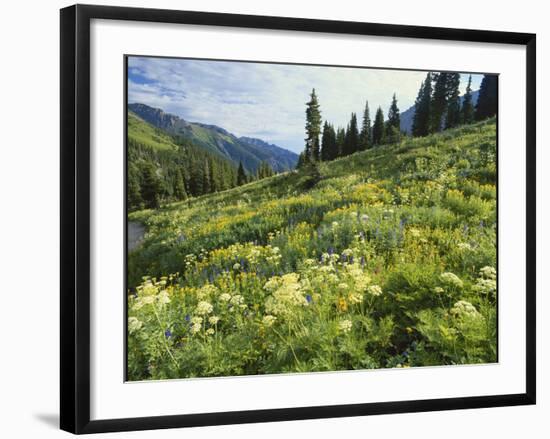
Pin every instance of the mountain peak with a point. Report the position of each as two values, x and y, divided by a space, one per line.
249 151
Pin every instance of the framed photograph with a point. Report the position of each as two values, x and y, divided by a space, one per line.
268 218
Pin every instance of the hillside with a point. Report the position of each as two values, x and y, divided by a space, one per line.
218 141
387 259
164 168
145 134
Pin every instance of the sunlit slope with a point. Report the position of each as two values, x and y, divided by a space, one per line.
444 181
145 134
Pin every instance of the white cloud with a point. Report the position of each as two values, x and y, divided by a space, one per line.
265 100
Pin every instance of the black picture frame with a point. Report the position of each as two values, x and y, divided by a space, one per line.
75 217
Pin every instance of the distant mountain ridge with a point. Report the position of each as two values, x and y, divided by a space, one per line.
214 139
407 116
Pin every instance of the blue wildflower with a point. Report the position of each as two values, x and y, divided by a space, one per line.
168 333
309 298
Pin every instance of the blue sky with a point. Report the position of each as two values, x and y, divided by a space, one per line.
267 101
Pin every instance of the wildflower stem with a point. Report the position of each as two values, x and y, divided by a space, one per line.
164 338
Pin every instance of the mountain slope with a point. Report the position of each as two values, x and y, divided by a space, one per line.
343 180
145 134
407 116
216 140
178 166
385 258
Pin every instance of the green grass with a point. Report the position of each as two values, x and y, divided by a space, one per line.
145 134
348 272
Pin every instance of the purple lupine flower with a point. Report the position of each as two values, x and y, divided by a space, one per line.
168 333
309 298
187 318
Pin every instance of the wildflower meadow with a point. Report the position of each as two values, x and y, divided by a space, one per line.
385 258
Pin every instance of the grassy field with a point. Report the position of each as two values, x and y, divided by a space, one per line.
385 259
147 135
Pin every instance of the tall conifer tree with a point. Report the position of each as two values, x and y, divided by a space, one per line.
151 186
378 127
179 186
453 106
394 119
329 150
206 183
487 100
439 101
340 140
393 125
351 143
423 106
365 135
241 175
467 112
313 128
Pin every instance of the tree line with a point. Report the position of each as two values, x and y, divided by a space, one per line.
162 176
438 106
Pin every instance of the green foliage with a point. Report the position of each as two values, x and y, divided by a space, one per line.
164 169
440 100
351 140
241 175
423 108
452 118
487 102
394 120
313 128
384 258
264 171
340 140
378 129
329 148
467 111
365 136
